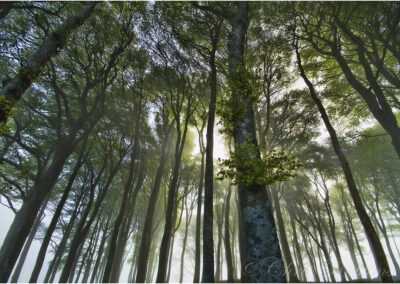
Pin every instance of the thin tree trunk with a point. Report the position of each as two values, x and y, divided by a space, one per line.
376 246
208 242
302 271
52 270
290 267
172 190
196 276
54 220
227 242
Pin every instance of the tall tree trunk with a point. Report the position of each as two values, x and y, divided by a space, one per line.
124 234
261 241
32 233
208 242
376 246
310 255
302 271
52 43
145 243
227 241
196 276
290 267
172 190
54 220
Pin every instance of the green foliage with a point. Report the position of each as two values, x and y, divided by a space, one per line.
247 168
242 89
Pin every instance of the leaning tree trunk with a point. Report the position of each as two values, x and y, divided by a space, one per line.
28 243
47 238
376 245
24 219
263 261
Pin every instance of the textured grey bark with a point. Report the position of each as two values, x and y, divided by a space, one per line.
24 253
53 42
372 236
263 261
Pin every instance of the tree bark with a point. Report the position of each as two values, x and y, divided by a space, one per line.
263 259
376 246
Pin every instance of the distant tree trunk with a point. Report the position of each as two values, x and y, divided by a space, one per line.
325 274
88 256
219 239
302 271
83 227
52 270
310 255
50 46
28 242
290 267
75 263
145 244
172 190
171 250
189 212
332 224
123 236
350 245
119 220
100 250
373 238
261 242
91 257
47 238
227 242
